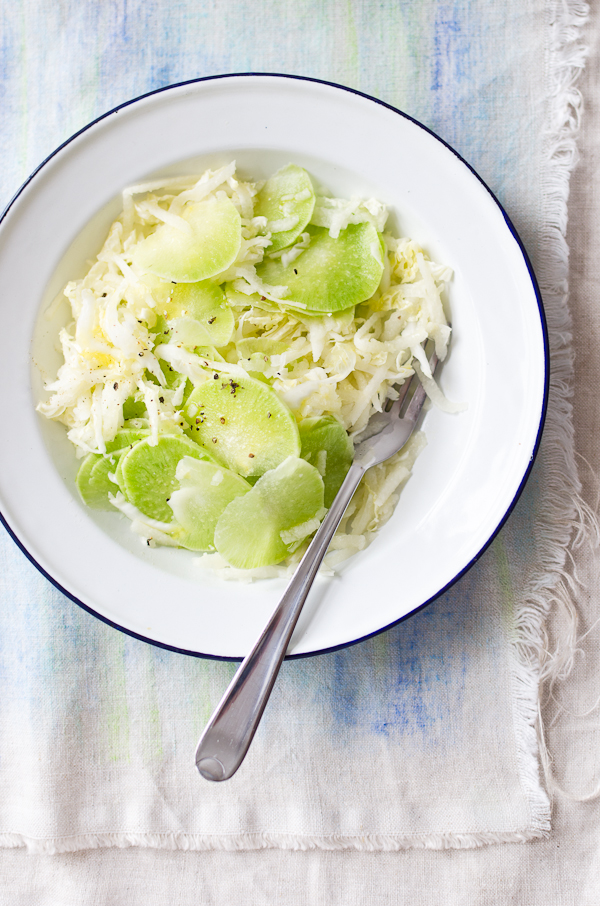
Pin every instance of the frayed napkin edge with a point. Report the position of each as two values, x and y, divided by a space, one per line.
568 519
254 842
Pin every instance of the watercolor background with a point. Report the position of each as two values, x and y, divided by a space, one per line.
410 733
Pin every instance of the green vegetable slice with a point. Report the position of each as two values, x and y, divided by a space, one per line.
133 408
146 473
243 424
205 490
209 248
125 437
286 196
198 315
249 532
326 445
331 274
260 346
248 300
257 352
92 480
82 480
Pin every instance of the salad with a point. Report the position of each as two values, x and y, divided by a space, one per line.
230 340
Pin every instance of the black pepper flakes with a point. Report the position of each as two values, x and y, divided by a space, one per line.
216 377
214 440
161 399
212 320
222 420
115 386
295 271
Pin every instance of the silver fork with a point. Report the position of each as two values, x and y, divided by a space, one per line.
227 736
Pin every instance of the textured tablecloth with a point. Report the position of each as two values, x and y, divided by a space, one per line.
453 700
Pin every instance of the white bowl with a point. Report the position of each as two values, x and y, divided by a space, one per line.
465 482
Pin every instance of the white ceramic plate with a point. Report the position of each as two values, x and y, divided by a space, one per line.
475 464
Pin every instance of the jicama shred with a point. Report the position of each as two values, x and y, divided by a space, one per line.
344 364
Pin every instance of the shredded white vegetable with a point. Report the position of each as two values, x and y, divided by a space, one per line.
344 364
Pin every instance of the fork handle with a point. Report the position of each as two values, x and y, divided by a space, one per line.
227 737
